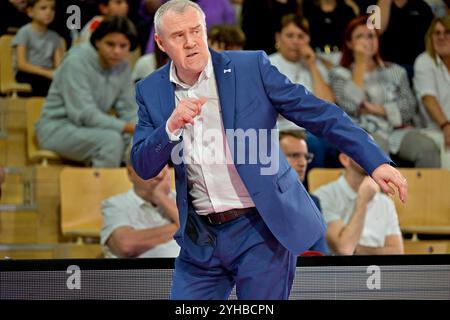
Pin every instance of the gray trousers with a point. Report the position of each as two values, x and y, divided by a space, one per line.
415 147
96 147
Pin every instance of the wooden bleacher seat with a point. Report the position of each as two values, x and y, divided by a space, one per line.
8 83
34 153
81 192
320 176
426 247
427 210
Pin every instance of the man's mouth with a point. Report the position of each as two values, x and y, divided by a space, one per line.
191 54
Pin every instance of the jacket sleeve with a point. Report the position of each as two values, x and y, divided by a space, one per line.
151 145
320 117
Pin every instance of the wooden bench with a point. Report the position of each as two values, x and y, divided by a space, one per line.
34 153
82 191
8 83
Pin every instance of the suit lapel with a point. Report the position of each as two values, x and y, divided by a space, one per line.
166 93
226 86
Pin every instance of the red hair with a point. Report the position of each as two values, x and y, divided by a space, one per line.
347 53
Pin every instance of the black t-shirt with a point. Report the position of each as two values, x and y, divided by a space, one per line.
261 20
403 39
327 28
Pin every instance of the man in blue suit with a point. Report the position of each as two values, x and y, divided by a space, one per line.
244 217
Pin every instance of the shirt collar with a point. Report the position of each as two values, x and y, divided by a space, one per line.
439 61
204 75
345 187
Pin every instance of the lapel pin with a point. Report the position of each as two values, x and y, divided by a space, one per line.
226 70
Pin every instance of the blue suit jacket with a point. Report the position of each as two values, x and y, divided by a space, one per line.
251 97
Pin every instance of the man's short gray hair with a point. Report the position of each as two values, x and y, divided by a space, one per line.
178 6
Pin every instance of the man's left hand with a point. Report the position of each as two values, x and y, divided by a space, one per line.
386 174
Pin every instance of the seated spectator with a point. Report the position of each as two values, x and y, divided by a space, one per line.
297 60
107 8
14 16
294 146
432 85
141 222
360 219
378 97
38 50
226 37
93 80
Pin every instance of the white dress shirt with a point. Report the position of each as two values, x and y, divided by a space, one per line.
213 180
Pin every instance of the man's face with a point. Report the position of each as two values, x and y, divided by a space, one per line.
112 49
183 38
296 151
291 39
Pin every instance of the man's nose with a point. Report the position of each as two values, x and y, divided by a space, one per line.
189 41
301 162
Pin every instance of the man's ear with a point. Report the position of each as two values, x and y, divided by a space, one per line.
343 159
159 42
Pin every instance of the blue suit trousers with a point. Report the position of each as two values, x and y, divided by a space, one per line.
243 253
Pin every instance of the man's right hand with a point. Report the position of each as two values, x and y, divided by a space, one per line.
367 189
184 113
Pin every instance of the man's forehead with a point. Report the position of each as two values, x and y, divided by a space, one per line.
187 12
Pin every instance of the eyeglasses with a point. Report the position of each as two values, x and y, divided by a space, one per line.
298 155
445 33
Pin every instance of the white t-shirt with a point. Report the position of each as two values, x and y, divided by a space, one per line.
338 199
128 209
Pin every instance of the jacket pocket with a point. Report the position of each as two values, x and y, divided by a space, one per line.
287 179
